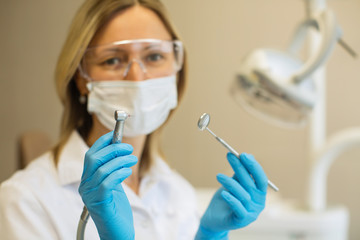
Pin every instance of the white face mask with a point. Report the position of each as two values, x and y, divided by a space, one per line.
148 102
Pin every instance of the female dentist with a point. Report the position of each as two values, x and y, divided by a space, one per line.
122 55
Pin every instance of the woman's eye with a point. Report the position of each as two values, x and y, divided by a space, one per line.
154 57
112 61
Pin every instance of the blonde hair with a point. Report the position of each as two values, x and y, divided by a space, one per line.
91 16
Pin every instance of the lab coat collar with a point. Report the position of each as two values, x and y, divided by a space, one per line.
71 161
158 175
158 172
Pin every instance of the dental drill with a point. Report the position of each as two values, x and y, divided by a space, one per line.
120 117
203 124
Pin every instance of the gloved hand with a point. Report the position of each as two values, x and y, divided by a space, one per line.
238 202
106 165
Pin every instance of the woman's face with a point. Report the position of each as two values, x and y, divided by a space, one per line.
135 26
133 23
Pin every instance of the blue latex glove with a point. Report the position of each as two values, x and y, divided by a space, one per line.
106 166
238 202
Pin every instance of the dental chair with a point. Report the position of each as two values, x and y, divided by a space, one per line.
31 144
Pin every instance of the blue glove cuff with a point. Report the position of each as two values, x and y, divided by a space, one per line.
203 234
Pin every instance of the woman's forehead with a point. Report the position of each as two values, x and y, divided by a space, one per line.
136 22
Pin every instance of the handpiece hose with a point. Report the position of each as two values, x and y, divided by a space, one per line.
120 117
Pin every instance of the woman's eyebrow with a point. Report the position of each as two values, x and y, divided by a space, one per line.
113 49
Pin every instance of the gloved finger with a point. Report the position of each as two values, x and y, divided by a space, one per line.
255 169
97 159
234 187
238 209
113 182
257 196
101 142
108 168
241 173
112 151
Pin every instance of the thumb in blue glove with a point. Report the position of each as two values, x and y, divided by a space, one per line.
238 202
106 165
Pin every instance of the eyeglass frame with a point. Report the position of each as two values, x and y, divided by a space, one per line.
177 44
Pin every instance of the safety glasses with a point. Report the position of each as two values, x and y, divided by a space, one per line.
155 58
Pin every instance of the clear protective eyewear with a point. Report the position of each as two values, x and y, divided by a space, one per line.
156 58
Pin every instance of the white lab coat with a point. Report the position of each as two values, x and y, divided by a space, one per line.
42 201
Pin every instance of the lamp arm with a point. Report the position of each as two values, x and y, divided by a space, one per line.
336 145
299 36
330 33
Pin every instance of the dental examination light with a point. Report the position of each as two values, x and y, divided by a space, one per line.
277 85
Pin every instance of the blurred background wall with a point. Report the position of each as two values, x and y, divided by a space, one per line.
217 35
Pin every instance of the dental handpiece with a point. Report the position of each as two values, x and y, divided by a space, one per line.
120 117
203 124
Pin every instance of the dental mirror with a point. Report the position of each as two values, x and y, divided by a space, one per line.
203 124
204 121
